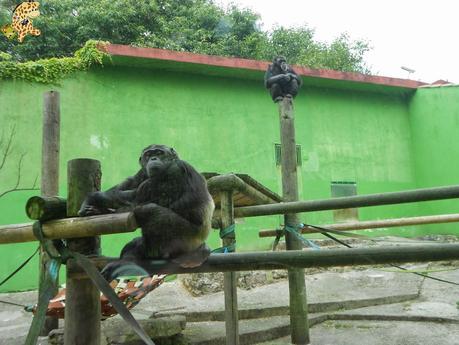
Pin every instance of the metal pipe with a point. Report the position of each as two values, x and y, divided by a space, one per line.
415 195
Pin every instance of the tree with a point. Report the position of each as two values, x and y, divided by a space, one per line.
198 26
299 47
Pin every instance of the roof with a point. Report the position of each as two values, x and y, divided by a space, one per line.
246 190
249 69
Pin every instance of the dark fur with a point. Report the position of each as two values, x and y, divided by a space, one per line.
281 82
172 206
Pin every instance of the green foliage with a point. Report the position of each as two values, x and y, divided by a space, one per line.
50 71
299 47
198 26
5 56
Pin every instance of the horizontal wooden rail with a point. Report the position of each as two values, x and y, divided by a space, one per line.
375 224
415 195
71 228
307 258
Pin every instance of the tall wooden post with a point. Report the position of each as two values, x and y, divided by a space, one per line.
82 309
49 175
297 287
229 278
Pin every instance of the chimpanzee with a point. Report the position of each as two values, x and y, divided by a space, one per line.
172 206
281 79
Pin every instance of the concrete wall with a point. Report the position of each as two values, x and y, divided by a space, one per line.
434 118
217 124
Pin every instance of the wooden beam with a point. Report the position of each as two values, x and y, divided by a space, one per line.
71 228
375 224
82 305
392 198
44 208
49 177
299 326
251 261
229 278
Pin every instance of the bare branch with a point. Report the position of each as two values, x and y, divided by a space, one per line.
17 190
2 138
7 150
35 182
18 181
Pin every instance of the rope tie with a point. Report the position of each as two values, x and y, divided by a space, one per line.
56 249
296 231
225 233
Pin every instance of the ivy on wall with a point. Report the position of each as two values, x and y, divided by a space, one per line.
50 71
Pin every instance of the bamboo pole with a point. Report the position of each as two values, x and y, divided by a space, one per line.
251 261
392 198
49 177
375 224
229 278
299 326
125 222
71 228
82 308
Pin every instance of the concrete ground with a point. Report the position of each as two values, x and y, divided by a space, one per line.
358 306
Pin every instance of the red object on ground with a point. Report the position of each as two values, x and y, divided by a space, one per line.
130 291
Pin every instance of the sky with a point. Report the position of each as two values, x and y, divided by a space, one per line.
421 35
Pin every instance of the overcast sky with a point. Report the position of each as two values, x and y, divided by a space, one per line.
420 34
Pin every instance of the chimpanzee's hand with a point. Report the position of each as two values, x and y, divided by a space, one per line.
94 204
146 213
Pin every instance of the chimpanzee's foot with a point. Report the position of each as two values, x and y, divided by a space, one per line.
122 268
193 259
89 211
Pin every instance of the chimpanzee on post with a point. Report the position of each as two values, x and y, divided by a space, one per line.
172 206
281 80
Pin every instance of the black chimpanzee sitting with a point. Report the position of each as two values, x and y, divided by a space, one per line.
281 79
172 206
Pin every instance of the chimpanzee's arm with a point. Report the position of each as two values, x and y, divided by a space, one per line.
271 79
107 202
120 196
131 182
293 74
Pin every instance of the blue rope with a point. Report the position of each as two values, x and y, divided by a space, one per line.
223 234
227 249
295 231
227 231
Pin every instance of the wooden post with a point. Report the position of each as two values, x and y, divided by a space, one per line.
82 309
297 287
49 176
229 278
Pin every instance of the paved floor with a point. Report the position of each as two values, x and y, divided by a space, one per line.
364 306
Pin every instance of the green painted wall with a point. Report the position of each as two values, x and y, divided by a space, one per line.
217 124
434 118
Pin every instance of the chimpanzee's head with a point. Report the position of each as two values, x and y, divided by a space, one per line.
156 157
281 62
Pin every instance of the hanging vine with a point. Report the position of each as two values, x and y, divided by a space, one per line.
50 71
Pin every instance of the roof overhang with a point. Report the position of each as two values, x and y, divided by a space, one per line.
249 69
